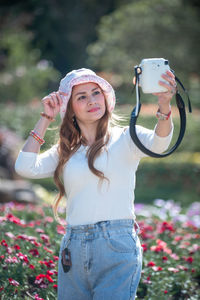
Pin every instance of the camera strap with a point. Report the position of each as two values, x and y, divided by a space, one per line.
136 110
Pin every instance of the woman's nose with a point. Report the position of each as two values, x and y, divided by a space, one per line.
91 100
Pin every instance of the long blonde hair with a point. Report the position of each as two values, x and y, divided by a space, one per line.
70 140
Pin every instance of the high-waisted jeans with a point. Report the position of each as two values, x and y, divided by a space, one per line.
106 261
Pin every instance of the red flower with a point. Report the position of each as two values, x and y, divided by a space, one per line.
17 247
151 264
44 237
193 270
49 278
13 282
36 244
161 246
23 257
49 264
144 246
48 250
165 292
55 286
1 288
49 272
148 278
34 252
3 243
31 266
164 258
188 259
14 219
166 226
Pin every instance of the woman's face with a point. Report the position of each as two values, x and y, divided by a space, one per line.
88 102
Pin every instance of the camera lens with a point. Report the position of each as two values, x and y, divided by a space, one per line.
166 62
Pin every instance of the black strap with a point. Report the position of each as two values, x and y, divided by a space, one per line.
135 113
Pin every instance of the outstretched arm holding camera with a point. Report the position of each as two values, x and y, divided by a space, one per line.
164 125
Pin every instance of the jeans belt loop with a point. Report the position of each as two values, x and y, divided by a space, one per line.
68 236
137 227
105 232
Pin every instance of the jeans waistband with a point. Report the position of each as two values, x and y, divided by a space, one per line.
103 225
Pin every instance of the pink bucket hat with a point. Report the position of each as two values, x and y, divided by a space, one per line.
80 76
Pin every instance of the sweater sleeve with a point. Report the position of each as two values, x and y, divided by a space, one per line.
33 165
149 139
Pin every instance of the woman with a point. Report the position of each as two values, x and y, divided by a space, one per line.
100 254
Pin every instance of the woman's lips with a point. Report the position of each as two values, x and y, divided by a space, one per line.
94 109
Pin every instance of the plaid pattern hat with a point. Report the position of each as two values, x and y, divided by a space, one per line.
80 76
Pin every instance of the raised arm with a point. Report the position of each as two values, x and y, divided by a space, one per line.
51 104
164 125
29 163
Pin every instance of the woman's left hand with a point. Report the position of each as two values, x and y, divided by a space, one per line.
164 98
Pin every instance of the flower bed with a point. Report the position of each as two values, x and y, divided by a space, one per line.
30 240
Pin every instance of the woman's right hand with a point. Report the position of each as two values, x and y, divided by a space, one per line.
52 103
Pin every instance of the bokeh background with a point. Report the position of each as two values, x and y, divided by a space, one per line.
40 41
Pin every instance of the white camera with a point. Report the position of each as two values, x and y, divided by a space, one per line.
151 70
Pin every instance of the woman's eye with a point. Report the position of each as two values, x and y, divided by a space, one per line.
81 97
96 92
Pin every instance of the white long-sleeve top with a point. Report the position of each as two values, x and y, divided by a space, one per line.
88 202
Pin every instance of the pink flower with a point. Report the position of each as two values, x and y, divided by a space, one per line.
10 235
37 297
49 219
174 270
60 229
155 268
11 260
13 282
161 246
23 257
174 256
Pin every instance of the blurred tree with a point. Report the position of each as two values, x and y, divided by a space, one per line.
61 29
142 29
23 74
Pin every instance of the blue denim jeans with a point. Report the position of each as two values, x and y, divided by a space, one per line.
106 261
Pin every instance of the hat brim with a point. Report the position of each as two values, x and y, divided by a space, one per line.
104 85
